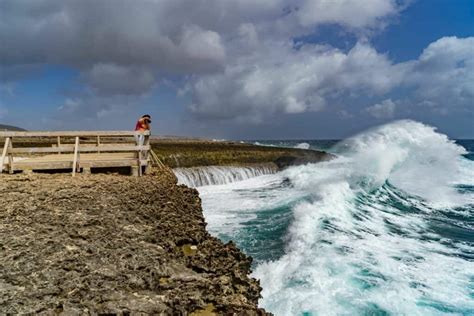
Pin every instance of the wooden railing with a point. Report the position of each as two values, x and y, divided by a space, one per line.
68 155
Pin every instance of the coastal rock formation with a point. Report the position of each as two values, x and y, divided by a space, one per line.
197 153
115 244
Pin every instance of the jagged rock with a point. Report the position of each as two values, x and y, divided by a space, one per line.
115 244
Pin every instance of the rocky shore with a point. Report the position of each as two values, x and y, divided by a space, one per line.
111 244
186 153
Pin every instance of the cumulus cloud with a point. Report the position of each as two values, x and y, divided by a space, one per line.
383 110
346 12
282 79
444 73
238 58
152 38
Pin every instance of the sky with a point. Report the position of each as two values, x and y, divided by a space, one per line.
237 69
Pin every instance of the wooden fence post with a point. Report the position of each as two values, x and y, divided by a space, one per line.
98 144
140 163
10 156
4 153
76 157
147 153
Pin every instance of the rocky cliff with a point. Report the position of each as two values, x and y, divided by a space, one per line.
117 245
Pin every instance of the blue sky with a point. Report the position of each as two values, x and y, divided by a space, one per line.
243 71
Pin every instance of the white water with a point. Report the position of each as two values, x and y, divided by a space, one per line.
227 206
217 175
350 249
303 146
412 156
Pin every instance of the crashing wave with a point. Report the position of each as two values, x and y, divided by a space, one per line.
382 229
218 175
302 146
366 230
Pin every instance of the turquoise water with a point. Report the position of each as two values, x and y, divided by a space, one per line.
385 229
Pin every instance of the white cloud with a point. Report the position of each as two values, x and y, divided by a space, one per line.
153 38
351 13
444 73
383 110
201 45
279 78
237 57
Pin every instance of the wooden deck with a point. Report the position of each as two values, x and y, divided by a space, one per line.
55 151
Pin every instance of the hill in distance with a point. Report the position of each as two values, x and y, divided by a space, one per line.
4 127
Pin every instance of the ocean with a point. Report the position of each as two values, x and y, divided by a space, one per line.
386 228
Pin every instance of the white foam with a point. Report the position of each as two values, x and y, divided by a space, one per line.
343 258
218 175
348 250
329 249
227 206
466 172
412 156
302 146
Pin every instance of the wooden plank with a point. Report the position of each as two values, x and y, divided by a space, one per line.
146 153
4 153
93 154
41 150
87 156
10 157
75 161
71 148
114 148
139 163
57 165
45 165
72 133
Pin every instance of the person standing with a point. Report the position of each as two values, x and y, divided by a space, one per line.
143 124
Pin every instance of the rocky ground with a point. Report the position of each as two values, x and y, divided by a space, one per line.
110 244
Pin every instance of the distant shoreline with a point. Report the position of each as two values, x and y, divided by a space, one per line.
187 153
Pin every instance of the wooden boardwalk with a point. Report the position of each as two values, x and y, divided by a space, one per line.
77 151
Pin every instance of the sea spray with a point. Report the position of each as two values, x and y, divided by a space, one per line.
384 229
408 154
303 146
217 175
363 244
